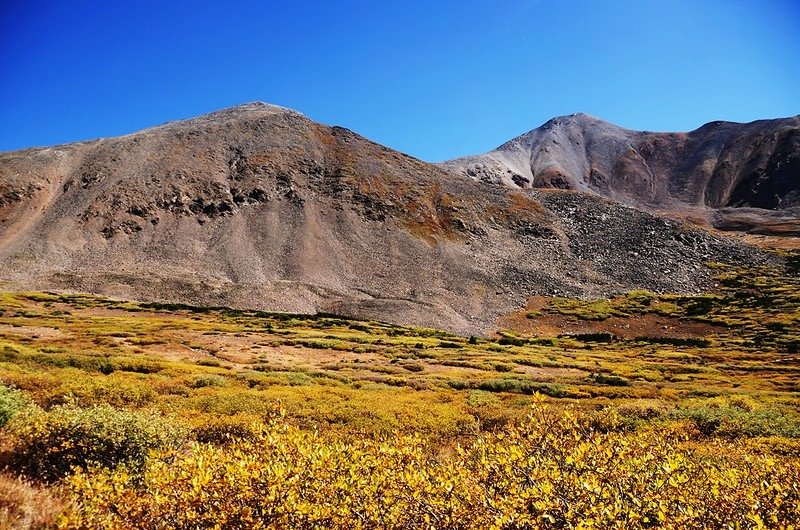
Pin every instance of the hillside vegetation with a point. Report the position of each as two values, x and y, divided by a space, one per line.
120 414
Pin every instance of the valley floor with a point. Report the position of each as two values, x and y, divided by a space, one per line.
646 410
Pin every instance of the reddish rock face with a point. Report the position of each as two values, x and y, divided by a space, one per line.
259 207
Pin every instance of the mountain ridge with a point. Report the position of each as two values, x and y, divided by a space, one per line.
702 172
259 207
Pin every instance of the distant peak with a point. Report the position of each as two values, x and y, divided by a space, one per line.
558 125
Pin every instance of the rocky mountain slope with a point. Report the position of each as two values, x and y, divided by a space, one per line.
259 207
735 176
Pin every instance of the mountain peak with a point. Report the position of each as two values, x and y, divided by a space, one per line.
649 169
579 118
252 107
259 106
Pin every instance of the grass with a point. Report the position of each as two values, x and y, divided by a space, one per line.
24 504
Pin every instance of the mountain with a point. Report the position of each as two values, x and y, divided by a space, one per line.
259 207
735 176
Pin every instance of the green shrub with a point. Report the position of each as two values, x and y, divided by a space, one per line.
12 401
639 299
610 380
508 340
458 384
520 386
547 389
676 341
202 381
595 337
8 353
733 422
209 362
139 366
501 385
47 446
109 390
697 305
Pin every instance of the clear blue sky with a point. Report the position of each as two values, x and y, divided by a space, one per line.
436 79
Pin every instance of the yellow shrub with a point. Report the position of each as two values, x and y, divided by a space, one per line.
551 471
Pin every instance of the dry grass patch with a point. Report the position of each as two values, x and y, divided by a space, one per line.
26 506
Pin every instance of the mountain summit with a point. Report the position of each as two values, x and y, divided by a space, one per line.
259 207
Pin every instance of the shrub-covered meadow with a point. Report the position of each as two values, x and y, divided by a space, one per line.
643 411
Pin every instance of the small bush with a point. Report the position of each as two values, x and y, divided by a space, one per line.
610 380
202 381
458 384
639 299
413 367
46 446
209 362
12 401
697 305
230 403
501 385
8 353
595 337
507 340
676 341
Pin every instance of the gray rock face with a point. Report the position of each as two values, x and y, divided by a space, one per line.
706 172
259 207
